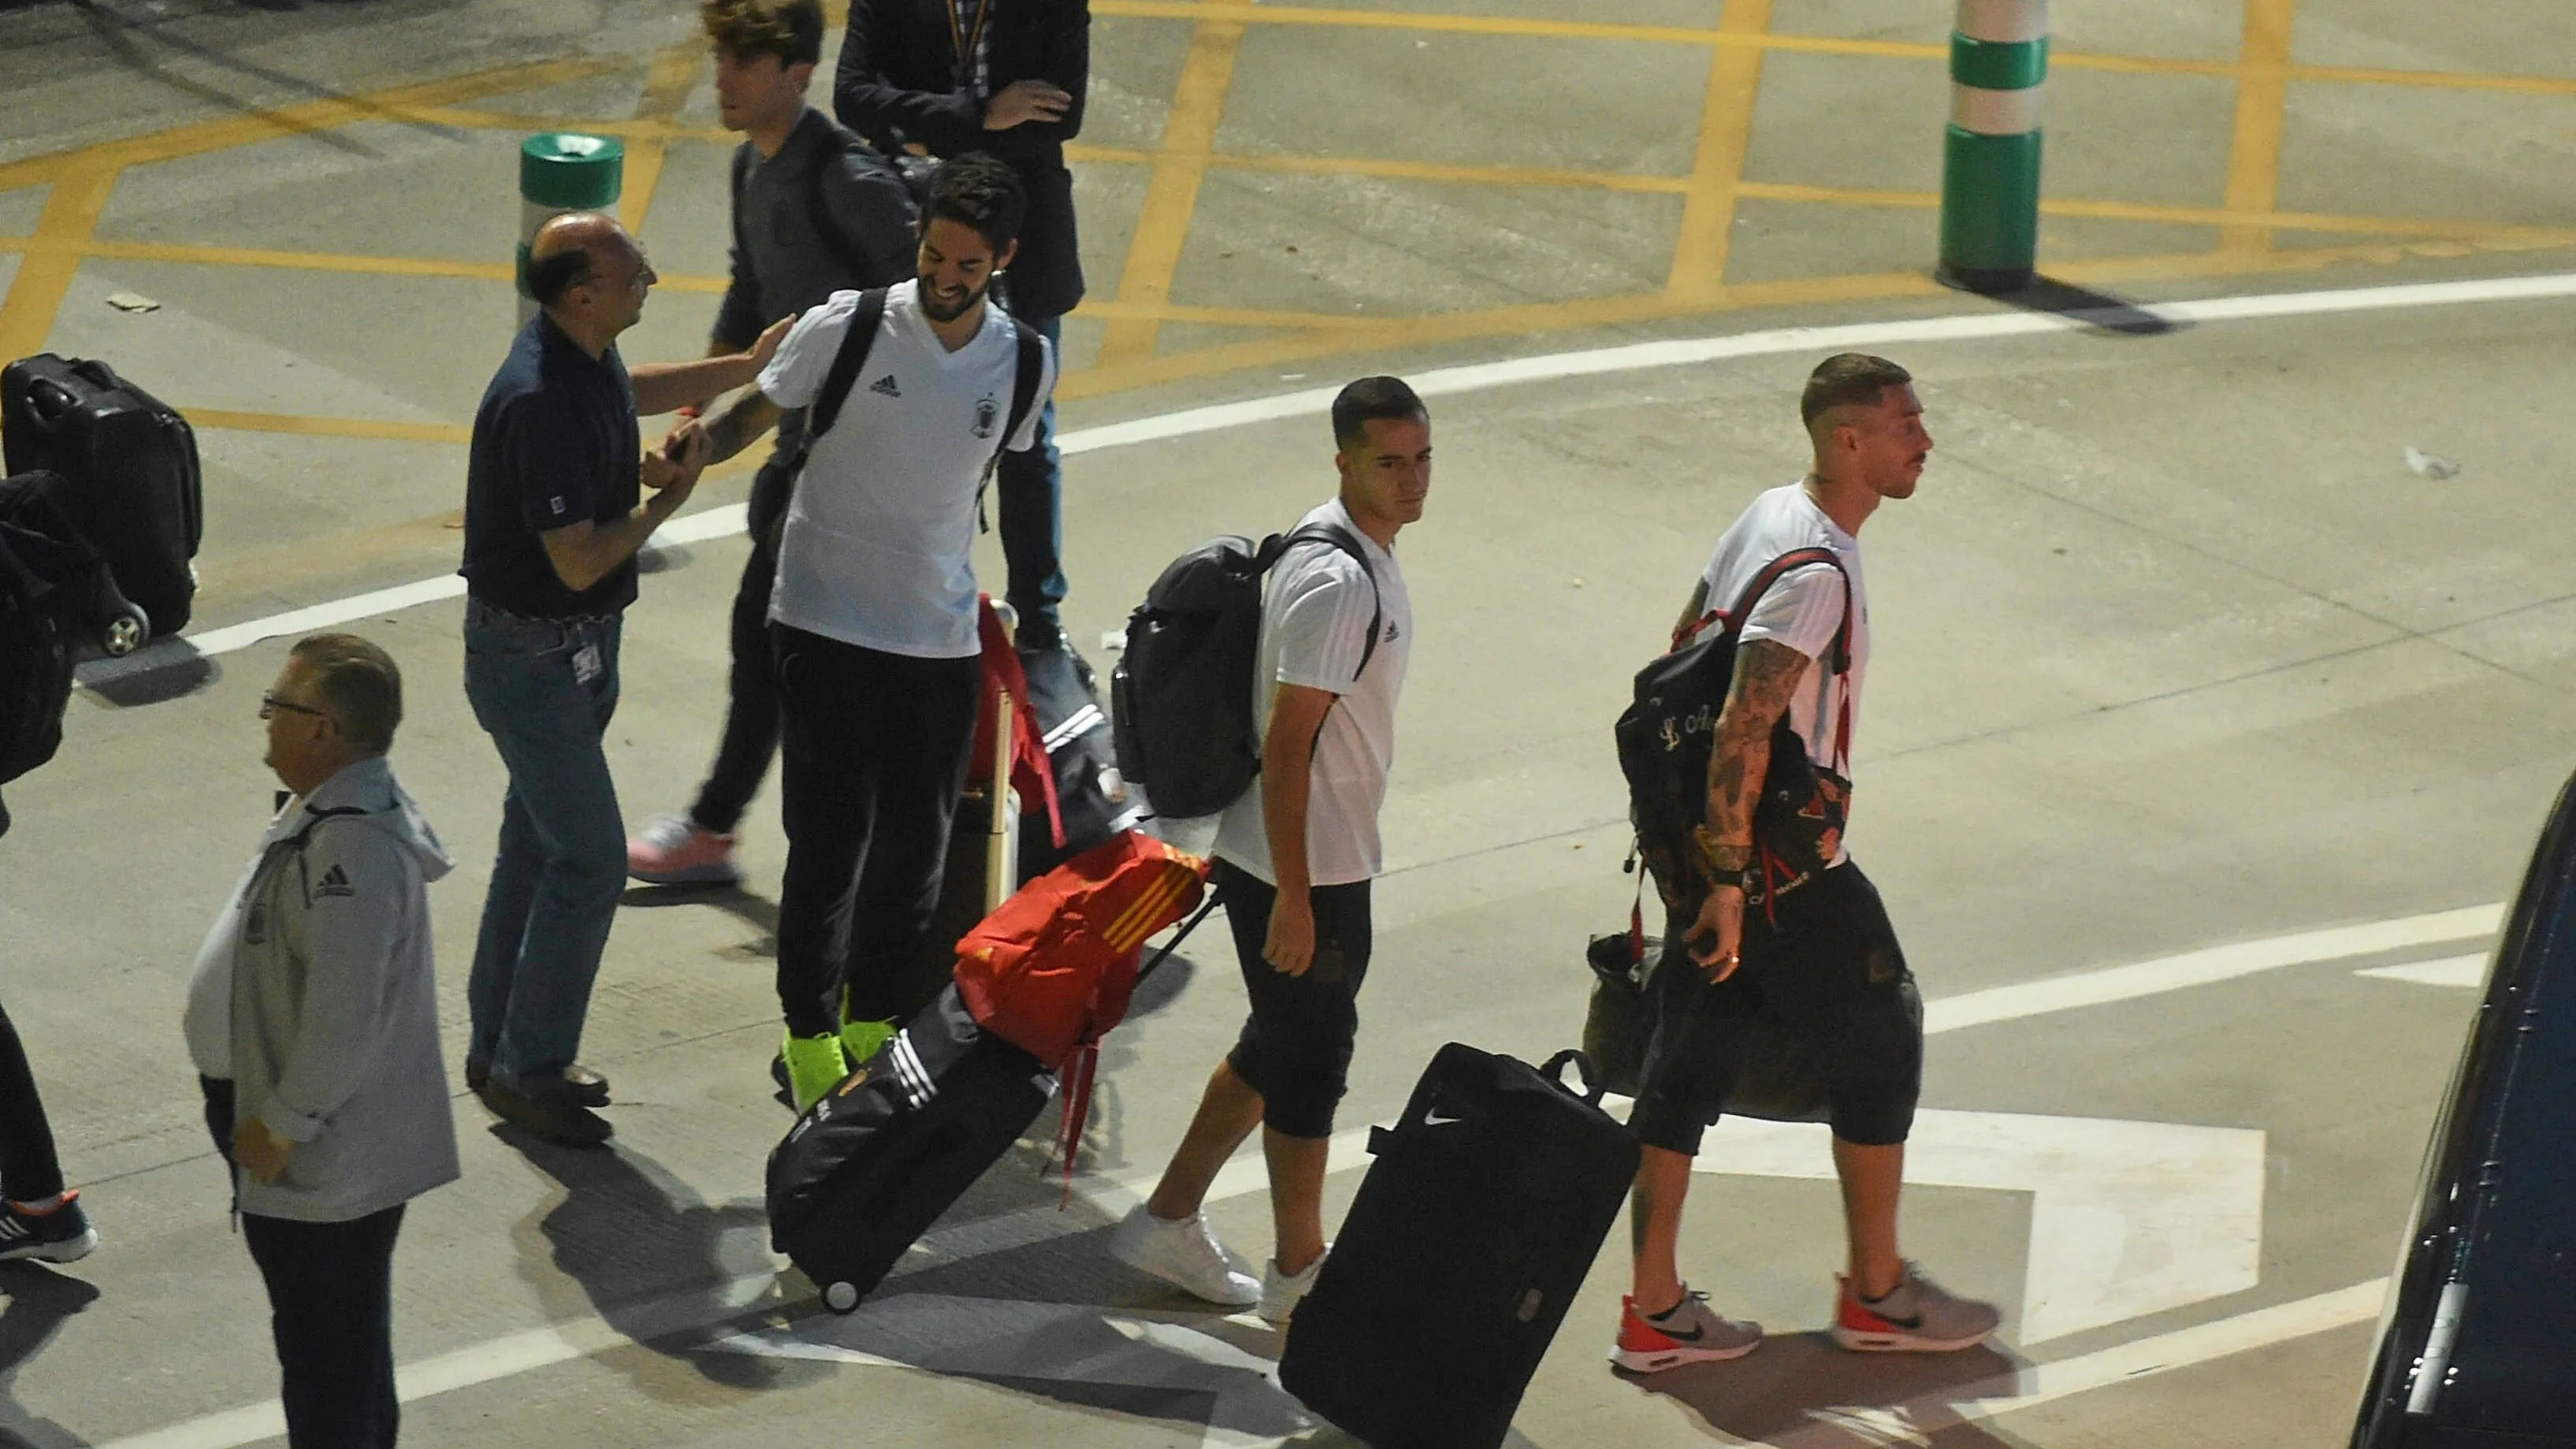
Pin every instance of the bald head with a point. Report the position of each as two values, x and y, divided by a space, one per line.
573 248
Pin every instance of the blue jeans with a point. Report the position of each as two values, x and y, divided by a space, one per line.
1031 486
562 857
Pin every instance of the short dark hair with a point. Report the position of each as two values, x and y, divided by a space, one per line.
1845 380
359 683
792 30
556 273
979 191
1369 400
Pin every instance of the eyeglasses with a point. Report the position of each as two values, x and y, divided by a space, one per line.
270 704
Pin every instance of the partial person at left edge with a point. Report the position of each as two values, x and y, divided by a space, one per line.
313 1023
555 513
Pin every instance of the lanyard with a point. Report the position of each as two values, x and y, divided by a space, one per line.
968 39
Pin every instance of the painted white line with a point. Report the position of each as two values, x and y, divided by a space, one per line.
2128 1363
2202 968
1449 381
2449 971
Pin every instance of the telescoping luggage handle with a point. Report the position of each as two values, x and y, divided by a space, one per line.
1417 1113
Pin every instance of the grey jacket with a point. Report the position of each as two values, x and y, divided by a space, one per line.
315 996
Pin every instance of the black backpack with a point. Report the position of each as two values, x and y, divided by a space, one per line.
1665 736
1180 700
852 355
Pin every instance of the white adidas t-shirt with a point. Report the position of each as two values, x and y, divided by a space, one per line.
878 545
1314 627
1803 610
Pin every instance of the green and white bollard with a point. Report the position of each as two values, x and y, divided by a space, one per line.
1990 172
559 172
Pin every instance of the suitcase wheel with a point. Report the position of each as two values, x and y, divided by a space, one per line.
841 1298
124 634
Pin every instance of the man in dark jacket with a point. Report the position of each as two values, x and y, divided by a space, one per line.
1005 77
815 212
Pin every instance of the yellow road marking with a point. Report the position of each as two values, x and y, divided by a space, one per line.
35 170
674 73
305 426
1725 130
2262 104
323 115
1172 197
45 273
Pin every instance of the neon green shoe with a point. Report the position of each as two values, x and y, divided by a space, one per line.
862 1040
814 1067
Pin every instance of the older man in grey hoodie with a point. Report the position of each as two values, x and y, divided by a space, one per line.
313 1019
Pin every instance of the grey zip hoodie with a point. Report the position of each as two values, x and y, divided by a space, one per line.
315 996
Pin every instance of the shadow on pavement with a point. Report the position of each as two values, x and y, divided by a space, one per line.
1801 1392
2096 311
653 1260
38 1300
162 670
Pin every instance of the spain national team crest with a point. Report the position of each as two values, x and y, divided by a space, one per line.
988 413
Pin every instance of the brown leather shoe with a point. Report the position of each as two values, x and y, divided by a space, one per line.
589 1088
550 1108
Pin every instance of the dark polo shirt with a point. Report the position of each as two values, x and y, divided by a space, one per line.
555 444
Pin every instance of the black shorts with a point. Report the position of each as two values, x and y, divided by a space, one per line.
1296 1045
1822 1007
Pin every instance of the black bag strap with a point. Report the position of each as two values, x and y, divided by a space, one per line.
1028 370
741 178
1206 907
1554 1071
1339 537
1788 563
847 359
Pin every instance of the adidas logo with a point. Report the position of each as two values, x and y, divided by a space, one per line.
334 882
884 387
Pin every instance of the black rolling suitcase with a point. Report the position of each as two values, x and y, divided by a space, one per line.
130 465
1473 1229
867 1170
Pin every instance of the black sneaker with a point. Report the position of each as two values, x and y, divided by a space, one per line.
60 1235
589 1088
551 1108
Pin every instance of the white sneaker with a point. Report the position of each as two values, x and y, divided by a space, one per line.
1281 1293
1184 1254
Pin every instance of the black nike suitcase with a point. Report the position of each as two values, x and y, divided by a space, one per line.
868 1168
1486 1205
130 463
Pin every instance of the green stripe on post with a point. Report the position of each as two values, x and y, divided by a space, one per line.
1997 65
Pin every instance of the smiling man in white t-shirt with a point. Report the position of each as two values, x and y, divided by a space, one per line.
1294 857
874 613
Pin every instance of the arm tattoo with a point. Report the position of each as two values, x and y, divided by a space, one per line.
734 423
1692 610
1767 673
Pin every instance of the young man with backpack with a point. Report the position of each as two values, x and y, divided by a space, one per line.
1294 858
915 392
1817 940
815 211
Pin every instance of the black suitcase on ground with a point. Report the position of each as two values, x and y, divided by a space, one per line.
1473 1229
130 463
867 1170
